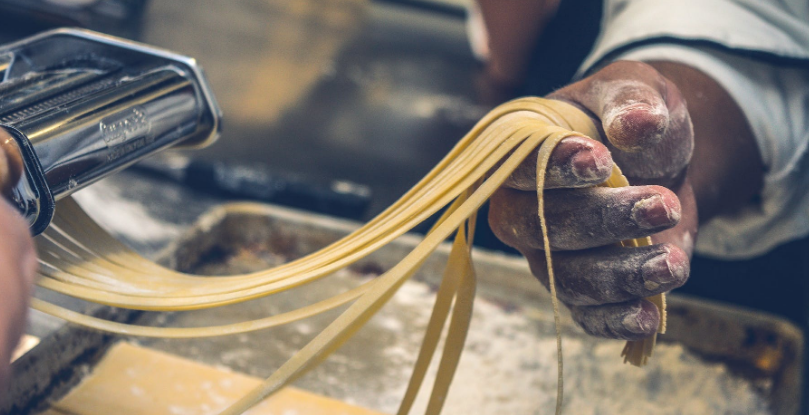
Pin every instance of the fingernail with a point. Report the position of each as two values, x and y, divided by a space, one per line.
652 212
636 126
639 322
663 269
589 167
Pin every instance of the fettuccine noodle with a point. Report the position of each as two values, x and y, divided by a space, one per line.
78 258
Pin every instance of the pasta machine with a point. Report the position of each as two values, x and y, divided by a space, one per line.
76 106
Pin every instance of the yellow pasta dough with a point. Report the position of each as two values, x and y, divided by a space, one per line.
80 259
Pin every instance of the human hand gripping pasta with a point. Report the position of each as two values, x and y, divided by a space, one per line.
650 137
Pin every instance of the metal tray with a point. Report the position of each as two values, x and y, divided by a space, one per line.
714 358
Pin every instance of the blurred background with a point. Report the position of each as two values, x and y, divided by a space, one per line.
374 93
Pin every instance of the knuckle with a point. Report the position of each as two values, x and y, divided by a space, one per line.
537 265
589 320
508 218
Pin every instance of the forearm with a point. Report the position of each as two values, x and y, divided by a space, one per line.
513 28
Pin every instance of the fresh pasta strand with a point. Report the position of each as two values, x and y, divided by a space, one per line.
78 258
542 164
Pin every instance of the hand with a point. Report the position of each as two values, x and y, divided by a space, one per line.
18 263
511 32
650 136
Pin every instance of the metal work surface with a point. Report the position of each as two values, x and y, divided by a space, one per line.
714 359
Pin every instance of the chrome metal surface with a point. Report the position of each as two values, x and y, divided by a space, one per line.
84 105
109 129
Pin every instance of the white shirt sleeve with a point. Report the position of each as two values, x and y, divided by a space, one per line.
778 28
772 94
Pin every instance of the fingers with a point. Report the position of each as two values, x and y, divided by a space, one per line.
17 253
633 320
634 115
18 266
18 261
575 162
648 133
582 218
604 287
643 116
629 99
613 274
11 164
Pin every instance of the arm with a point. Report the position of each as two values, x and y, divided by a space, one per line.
643 113
18 264
512 29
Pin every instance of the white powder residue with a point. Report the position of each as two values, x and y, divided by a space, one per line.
182 410
136 391
124 217
509 367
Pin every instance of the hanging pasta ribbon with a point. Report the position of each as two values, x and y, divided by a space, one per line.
78 258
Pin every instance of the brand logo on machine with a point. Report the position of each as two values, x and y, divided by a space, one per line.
124 126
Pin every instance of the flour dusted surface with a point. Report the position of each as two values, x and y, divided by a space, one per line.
508 366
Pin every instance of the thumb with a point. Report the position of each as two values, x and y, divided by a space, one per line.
11 163
633 114
643 116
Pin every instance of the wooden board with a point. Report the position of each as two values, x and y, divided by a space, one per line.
132 380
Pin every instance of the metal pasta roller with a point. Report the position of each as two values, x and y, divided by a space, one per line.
76 106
